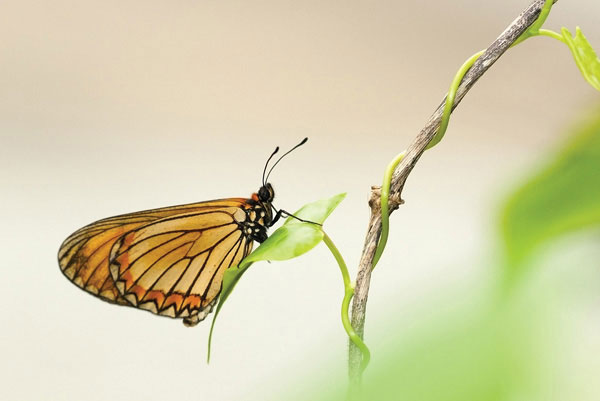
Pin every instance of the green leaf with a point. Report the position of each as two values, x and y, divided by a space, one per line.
290 240
560 199
295 237
584 55
318 211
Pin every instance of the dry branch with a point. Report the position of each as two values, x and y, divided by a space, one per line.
413 153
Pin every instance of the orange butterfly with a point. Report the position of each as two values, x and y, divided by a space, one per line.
169 261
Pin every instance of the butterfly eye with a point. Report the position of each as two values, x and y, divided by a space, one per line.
264 194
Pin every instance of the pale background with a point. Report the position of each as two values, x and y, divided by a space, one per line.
116 106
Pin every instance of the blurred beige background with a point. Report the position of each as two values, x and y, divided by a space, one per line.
116 106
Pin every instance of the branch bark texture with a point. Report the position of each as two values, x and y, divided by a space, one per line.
413 153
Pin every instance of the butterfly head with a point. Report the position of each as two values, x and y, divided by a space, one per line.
266 193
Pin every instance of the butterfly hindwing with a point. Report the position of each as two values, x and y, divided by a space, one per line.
169 261
175 266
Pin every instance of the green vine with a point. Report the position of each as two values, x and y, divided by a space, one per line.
348 294
585 59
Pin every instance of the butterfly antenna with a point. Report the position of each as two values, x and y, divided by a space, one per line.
285 154
267 164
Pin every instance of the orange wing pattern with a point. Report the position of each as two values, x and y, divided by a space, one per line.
169 261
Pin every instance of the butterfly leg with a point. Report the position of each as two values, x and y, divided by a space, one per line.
282 212
276 218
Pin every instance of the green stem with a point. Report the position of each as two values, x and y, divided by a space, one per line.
534 29
348 294
552 34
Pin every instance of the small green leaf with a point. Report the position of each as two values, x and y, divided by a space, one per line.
287 242
317 211
295 237
562 198
584 55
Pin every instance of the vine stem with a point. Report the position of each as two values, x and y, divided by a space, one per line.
389 171
406 161
348 293
552 34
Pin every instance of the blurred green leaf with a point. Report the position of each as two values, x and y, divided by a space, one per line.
473 350
562 198
455 360
584 55
290 240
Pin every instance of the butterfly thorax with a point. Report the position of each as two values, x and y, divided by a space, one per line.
259 216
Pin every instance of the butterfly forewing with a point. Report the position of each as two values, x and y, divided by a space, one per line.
169 261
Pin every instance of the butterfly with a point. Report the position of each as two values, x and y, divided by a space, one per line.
170 261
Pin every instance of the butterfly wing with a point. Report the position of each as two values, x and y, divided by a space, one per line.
169 261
